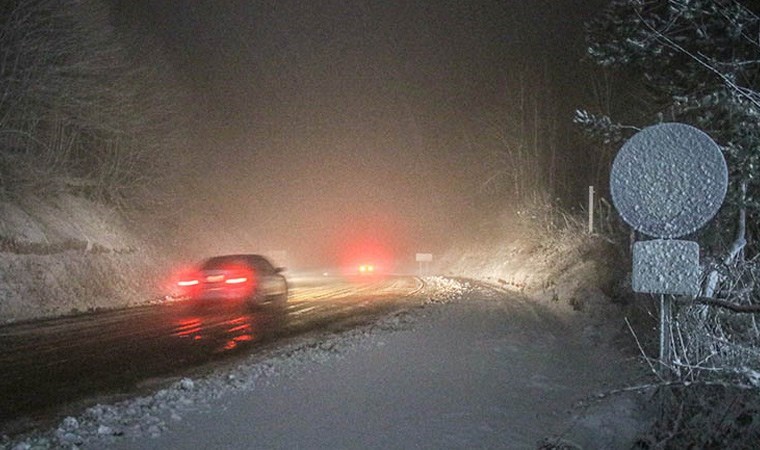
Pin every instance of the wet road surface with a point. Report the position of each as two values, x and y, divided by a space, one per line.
50 363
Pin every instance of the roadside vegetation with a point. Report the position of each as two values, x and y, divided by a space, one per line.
90 130
696 62
84 108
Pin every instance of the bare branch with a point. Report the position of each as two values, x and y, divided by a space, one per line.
747 94
725 304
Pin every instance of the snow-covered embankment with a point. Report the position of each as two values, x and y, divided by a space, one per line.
68 255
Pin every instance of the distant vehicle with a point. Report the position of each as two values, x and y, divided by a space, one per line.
366 269
231 279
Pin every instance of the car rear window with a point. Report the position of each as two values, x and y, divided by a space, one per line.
224 261
256 262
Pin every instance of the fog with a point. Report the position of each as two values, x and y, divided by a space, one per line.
332 129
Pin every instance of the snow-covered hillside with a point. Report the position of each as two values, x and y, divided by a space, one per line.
69 255
564 265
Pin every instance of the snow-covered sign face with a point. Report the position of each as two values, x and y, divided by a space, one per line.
666 266
668 180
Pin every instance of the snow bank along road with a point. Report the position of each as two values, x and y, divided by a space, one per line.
468 366
48 364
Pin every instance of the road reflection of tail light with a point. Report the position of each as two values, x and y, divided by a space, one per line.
190 327
243 327
238 330
242 331
233 343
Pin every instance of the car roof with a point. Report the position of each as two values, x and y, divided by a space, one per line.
251 259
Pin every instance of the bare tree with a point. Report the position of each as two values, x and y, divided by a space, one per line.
524 141
79 111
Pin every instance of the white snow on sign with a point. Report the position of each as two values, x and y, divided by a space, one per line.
666 267
424 257
668 180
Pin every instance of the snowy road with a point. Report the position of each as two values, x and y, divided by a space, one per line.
48 364
466 366
480 369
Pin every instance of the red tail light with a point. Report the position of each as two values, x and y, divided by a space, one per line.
237 280
187 283
227 281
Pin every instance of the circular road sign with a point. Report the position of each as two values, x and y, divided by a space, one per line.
668 180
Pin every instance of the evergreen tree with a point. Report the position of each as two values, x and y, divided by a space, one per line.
697 62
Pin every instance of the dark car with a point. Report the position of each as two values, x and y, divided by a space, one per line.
236 278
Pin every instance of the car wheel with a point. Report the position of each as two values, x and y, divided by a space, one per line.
255 301
282 299
279 306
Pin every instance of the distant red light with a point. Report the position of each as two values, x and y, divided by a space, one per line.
187 283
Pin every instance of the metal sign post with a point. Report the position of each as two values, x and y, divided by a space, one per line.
665 332
666 267
668 181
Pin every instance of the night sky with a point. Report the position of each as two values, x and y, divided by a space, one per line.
319 124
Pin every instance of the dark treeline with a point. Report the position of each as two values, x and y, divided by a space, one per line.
84 108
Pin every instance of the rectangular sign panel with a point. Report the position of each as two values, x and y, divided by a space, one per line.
666 267
424 257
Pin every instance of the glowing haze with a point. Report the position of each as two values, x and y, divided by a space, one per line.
331 128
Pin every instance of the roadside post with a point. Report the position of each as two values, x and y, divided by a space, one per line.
424 260
591 210
668 181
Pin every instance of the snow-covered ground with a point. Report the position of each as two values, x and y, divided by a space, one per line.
476 367
70 255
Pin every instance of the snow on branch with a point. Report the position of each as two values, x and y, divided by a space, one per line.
725 304
748 94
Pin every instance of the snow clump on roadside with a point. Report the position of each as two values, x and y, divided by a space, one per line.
100 424
445 290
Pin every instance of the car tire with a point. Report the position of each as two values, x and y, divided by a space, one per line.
255 301
279 305
282 299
